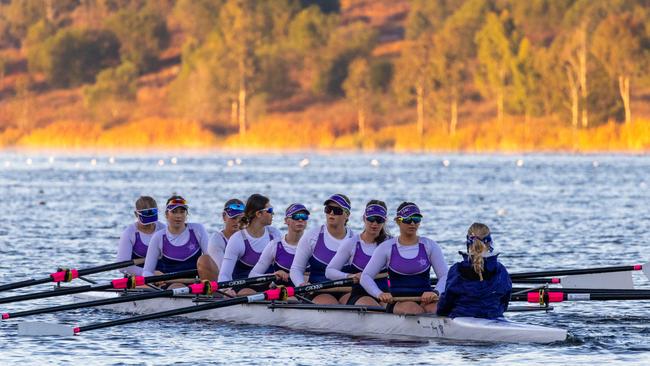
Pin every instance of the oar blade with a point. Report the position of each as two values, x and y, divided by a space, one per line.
39 329
610 280
646 269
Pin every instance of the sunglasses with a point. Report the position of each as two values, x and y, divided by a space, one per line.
177 201
235 207
300 217
147 212
410 220
268 210
337 211
377 219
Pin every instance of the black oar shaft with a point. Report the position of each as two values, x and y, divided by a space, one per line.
81 272
565 272
121 299
86 288
164 314
212 305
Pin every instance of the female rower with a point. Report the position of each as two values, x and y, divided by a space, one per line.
318 246
135 237
245 246
409 259
209 264
357 252
179 247
478 286
278 254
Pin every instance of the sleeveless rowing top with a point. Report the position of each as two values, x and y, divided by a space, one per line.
409 277
139 248
320 258
247 261
181 258
360 261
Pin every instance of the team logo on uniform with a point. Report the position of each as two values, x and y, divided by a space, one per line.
423 262
192 246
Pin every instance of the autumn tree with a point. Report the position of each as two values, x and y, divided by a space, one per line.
358 90
618 45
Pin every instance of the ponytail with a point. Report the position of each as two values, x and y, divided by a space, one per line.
476 246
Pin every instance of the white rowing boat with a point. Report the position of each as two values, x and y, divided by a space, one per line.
350 320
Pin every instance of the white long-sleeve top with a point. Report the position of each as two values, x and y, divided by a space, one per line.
154 252
306 248
268 256
235 249
217 247
126 243
344 256
381 258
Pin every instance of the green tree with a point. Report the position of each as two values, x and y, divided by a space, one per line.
495 57
358 90
618 44
143 35
113 92
198 18
75 56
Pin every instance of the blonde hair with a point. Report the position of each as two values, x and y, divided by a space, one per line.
476 250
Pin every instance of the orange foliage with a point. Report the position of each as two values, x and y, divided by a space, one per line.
62 134
157 132
274 133
9 136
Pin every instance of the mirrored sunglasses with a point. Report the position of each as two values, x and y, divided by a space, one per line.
377 219
236 207
268 210
147 212
300 216
410 220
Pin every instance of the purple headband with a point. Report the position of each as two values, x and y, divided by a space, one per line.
375 210
339 200
295 207
408 211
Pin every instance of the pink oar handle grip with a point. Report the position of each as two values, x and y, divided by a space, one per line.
203 288
552 297
128 282
64 275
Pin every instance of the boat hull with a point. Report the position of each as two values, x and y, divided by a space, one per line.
356 321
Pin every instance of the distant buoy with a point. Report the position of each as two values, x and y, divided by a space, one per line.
445 163
304 162
643 185
230 163
520 163
595 164
77 165
374 162
238 161
161 162
501 212
111 160
51 159
28 161
93 162
7 163
174 160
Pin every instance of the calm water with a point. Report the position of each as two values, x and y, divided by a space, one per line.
546 212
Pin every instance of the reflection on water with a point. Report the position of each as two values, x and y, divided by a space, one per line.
546 211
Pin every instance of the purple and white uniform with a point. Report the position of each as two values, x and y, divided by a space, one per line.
217 247
176 251
243 251
351 257
408 265
134 244
316 249
278 255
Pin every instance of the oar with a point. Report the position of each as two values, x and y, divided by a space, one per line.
554 296
563 272
120 283
281 293
201 288
612 280
582 290
67 275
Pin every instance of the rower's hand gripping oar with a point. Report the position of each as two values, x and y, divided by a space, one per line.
202 288
280 293
120 283
68 274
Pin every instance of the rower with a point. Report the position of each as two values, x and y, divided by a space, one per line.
245 246
318 246
409 259
209 264
179 247
357 252
279 253
135 238
479 286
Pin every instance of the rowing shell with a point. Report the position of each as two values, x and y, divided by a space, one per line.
350 320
